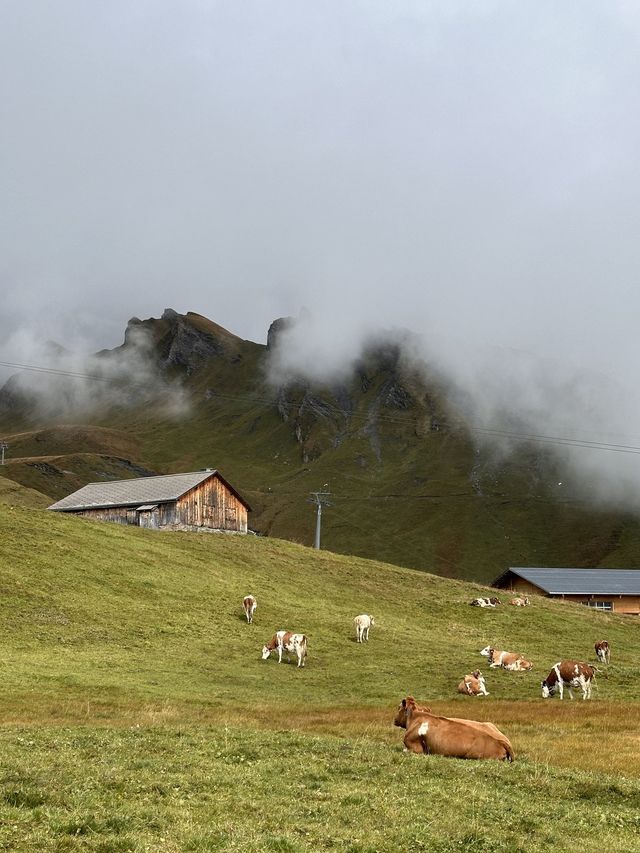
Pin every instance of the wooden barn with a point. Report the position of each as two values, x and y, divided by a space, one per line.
616 590
195 501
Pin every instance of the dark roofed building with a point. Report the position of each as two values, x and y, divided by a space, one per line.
603 589
194 501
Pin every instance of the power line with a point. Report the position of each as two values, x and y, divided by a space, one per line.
537 438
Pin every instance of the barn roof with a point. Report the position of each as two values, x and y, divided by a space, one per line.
138 492
579 581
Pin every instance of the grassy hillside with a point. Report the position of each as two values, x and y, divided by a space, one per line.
13 493
131 615
137 713
410 484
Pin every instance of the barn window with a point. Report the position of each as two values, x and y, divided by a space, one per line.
600 605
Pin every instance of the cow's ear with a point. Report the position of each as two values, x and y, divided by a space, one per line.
404 703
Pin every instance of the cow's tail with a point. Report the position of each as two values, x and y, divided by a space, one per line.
510 754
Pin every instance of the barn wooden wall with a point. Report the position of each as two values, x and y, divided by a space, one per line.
629 604
212 504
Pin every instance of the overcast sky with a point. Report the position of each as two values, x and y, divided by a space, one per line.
468 170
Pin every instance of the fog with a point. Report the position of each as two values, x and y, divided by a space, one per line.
468 171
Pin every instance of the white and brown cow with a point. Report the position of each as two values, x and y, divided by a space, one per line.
473 685
249 604
287 642
429 734
485 602
512 661
603 652
569 674
362 624
520 602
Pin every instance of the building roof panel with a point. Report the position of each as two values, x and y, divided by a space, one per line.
582 581
142 490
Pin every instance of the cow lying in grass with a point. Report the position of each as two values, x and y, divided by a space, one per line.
513 661
569 674
473 685
287 642
520 602
430 734
484 602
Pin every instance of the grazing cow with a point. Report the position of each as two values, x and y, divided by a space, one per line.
430 734
513 661
362 624
288 642
473 685
249 603
569 673
520 602
603 652
485 602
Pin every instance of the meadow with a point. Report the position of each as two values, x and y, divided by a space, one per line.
136 712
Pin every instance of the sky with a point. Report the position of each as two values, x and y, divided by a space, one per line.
466 170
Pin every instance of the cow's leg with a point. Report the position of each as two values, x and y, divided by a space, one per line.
561 689
279 654
413 742
569 688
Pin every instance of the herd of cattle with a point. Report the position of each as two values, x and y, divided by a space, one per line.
430 734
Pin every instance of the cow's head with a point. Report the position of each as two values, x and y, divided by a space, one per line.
405 709
477 674
266 651
373 622
495 601
487 652
546 690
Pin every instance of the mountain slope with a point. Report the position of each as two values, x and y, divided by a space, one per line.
409 483
125 615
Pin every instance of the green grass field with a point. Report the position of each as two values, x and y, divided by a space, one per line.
137 713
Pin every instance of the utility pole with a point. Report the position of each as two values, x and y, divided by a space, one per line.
320 499
3 446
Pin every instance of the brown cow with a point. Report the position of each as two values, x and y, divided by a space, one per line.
430 734
417 709
520 602
473 685
572 673
513 661
603 652
249 604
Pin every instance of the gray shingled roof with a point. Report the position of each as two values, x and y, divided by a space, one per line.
583 581
142 490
